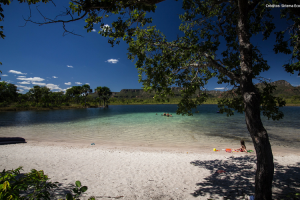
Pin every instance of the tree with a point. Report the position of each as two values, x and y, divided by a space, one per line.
39 94
190 63
86 90
8 92
74 92
106 93
99 90
103 93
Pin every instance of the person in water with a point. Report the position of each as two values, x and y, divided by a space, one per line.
171 115
164 114
168 115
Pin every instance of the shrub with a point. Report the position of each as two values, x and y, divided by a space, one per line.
10 187
65 104
3 104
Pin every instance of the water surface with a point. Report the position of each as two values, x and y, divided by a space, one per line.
139 125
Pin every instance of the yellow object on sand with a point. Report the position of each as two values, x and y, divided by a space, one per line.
215 149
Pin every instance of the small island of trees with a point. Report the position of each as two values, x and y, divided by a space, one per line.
42 98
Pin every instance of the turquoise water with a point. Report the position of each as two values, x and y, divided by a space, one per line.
139 125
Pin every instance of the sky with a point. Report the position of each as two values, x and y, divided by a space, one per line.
41 55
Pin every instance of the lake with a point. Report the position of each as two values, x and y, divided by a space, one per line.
140 126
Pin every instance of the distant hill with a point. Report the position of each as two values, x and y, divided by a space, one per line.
284 89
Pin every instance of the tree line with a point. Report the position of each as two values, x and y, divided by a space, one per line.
43 96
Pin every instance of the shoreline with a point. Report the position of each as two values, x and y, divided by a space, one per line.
8 109
144 173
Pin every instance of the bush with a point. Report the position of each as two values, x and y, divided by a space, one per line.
33 104
65 104
3 104
10 187
22 105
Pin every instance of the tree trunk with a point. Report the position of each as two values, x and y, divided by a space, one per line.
265 164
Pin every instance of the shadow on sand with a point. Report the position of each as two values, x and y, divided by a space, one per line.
234 178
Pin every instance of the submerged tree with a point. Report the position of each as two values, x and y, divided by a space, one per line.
190 61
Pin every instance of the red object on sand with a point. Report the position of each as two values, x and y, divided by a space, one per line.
221 171
228 150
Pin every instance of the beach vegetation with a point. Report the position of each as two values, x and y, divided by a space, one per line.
34 185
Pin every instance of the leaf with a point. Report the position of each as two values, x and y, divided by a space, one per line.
83 189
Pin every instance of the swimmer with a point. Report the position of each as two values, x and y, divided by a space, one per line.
171 115
168 115
164 114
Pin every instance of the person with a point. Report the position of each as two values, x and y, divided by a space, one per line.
171 115
243 148
164 114
168 115
156 113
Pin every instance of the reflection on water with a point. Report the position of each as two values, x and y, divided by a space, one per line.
139 124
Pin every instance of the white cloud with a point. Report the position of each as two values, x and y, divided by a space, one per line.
31 79
68 83
94 30
78 83
38 83
21 76
16 72
70 66
106 27
20 90
53 86
24 87
24 82
54 77
113 61
4 75
87 83
221 88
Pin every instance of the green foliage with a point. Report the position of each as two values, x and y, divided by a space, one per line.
283 46
11 186
104 93
8 92
3 104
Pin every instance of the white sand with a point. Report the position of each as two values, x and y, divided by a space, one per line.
142 173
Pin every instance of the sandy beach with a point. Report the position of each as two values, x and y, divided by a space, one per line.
112 172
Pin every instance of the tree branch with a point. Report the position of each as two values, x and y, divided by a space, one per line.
214 64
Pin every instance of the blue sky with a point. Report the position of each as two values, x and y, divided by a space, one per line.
41 55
